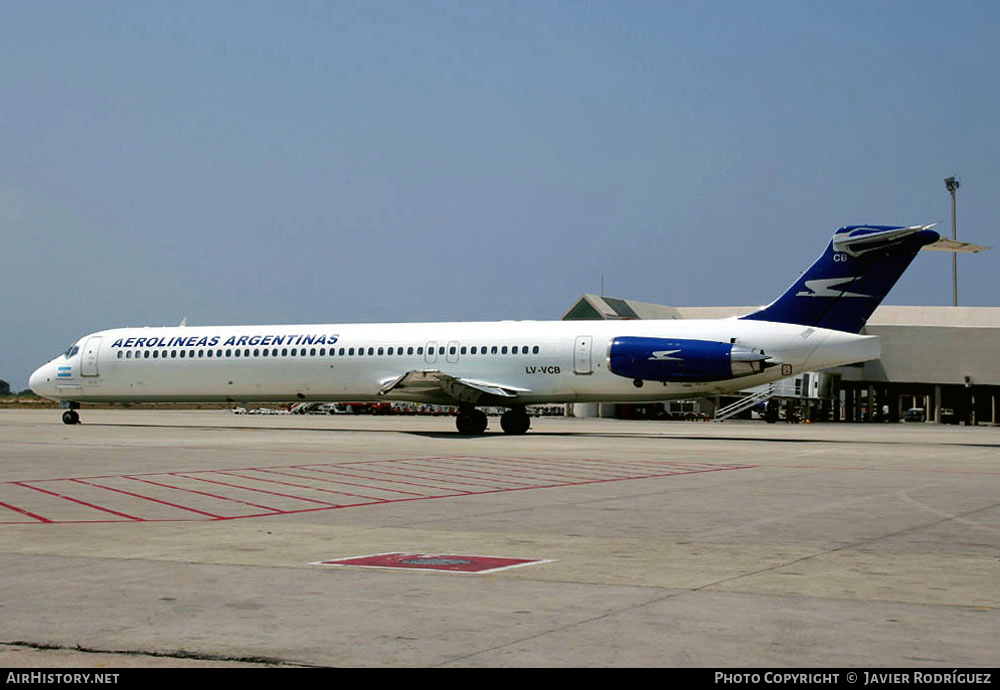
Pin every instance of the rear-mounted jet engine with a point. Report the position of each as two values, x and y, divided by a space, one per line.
673 359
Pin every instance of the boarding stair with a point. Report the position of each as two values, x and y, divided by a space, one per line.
756 396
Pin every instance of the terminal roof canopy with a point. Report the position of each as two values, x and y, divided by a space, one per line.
596 307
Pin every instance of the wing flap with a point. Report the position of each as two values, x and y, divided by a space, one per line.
434 382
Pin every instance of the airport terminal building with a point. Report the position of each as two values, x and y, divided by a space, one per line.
939 364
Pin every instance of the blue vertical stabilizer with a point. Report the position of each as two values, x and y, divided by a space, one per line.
845 285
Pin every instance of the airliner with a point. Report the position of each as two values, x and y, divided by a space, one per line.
815 324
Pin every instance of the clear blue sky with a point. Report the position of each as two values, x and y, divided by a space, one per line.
290 162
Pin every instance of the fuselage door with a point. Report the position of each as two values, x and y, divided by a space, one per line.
430 352
88 357
581 354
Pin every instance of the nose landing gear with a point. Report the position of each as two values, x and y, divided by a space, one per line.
71 416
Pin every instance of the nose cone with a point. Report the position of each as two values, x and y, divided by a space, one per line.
41 381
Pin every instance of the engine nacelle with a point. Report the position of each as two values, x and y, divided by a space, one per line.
676 359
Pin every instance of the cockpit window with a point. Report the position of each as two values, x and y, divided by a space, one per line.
72 350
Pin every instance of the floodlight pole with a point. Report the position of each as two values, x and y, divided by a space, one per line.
952 183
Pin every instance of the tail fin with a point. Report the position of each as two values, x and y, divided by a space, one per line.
845 285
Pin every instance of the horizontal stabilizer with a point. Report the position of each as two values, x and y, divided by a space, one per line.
947 245
860 240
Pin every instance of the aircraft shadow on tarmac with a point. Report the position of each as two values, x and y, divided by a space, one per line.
495 434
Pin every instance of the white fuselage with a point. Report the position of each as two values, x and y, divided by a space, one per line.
545 361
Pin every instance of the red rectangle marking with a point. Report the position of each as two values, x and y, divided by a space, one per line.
425 561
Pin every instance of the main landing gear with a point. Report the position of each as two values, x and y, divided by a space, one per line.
472 422
515 421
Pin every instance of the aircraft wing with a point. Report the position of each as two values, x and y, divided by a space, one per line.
434 384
